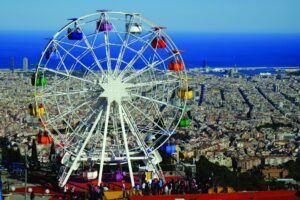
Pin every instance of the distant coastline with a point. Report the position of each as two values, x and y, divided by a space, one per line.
200 49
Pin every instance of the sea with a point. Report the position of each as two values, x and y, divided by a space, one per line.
200 49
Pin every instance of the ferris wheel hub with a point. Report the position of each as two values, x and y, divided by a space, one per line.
114 89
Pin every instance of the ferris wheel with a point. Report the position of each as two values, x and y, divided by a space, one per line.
112 88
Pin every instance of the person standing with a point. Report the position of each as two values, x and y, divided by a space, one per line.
65 191
166 189
123 188
32 196
72 191
143 188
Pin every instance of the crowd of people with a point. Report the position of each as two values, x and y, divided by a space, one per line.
145 188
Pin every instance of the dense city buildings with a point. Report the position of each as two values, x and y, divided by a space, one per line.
240 122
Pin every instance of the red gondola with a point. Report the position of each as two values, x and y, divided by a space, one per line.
159 43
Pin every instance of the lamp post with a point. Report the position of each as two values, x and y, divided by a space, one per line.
26 163
26 172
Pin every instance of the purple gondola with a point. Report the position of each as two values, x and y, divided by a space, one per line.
104 26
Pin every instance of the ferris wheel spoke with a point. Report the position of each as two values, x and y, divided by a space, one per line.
126 145
77 60
73 45
62 58
146 116
156 101
107 50
136 57
123 48
153 83
90 48
147 68
69 75
134 129
79 154
69 111
67 93
139 38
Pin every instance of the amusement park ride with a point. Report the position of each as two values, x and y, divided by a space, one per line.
111 89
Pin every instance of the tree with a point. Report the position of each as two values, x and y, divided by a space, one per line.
52 151
34 155
214 174
293 168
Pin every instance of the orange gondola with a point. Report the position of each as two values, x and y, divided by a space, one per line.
177 64
44 139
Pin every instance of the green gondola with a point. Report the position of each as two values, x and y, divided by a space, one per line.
38 80
184 123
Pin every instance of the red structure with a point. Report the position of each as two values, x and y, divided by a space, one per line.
264 195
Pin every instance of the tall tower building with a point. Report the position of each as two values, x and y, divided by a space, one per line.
25 64
12 64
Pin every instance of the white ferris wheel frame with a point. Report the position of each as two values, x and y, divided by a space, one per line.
107 82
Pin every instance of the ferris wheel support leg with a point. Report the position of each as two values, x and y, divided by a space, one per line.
126 147
87 139
104 144
141 144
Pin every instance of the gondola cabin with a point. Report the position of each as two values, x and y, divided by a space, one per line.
149 138
104 25
134 28
37 79
159 43
169 148
176 66
36 110
52 53
185 93
184 123
44 139
74 34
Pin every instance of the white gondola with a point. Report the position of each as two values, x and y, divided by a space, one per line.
135 28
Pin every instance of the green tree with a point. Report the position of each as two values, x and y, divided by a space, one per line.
34 155
293 168
214 174
52 151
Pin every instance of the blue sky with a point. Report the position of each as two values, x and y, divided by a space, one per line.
178 15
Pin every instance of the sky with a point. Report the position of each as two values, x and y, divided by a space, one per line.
258 16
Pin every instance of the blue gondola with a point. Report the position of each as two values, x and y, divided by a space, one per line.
74 34
149 137
169 148
52 53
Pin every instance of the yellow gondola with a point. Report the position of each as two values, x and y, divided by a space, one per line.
185 93
36 110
